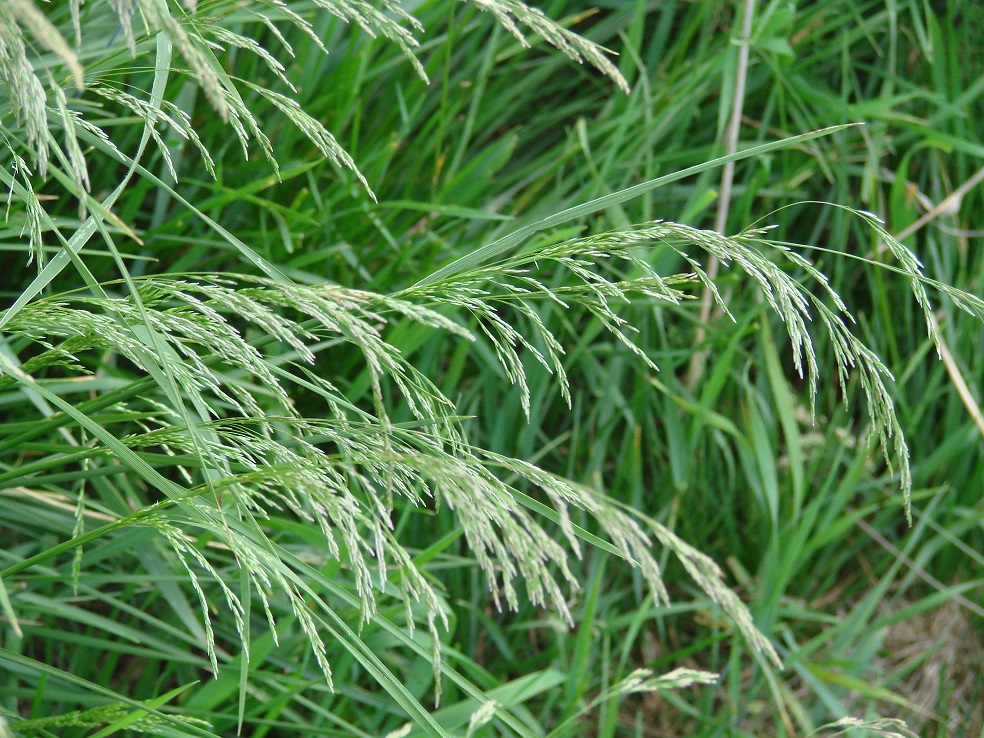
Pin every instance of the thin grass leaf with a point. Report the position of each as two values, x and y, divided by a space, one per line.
508 242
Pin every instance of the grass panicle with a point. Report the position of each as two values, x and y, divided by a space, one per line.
236 444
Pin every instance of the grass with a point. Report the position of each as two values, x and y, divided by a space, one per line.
405 404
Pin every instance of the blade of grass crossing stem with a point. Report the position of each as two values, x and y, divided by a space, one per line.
73 543
101 402
159 361
251 256
88 228
161 357
510 241
551 515
124 454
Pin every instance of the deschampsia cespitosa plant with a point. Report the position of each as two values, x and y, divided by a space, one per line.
209 435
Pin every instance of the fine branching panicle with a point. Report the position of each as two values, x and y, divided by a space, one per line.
39 103
884 727
511 12
199 373
342 473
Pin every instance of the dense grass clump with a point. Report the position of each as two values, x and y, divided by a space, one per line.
385 369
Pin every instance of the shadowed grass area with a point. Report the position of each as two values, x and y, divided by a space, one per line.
421 397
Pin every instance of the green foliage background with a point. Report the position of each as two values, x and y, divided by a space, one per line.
353 357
